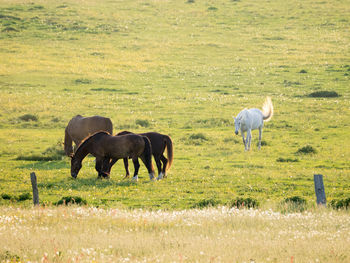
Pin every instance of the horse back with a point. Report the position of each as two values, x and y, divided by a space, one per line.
157 141
81 127
254 118
97 123
129 145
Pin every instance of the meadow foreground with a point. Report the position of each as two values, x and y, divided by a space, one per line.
88 234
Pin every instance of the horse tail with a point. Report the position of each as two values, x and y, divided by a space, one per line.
68 149
170 152
267 109
147 154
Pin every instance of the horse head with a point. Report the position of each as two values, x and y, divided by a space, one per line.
237 124
75 166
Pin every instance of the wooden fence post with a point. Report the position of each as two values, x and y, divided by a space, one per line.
35 189
319 189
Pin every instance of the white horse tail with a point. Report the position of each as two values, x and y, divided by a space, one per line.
267 109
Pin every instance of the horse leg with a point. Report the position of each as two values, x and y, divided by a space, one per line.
106 167
260 135
242 133
244 140
148 164
126 166
249 138
159 167
165 162
136 166
98 167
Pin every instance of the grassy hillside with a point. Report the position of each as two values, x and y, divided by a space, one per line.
182 68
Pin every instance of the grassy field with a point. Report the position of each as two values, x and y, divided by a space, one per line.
78 234
182 68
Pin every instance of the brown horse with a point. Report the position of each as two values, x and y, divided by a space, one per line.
159 142
104 147
81 127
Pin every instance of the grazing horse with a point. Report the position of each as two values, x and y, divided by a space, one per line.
251 119
104 147
159 142
81 127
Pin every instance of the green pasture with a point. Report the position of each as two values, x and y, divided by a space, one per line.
182 68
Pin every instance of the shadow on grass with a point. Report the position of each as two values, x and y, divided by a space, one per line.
46 165
68 183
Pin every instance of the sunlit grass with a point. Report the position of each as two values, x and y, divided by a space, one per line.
184 69
217 234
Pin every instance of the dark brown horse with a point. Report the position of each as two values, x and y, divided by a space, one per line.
104 147
81 127
159 142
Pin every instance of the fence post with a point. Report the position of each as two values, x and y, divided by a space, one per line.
35 189
319 189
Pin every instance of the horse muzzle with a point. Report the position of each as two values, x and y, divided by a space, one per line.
236 132
74 175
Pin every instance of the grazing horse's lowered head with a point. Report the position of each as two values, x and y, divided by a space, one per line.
252 119
75 167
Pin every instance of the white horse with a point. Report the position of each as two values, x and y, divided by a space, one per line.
252 119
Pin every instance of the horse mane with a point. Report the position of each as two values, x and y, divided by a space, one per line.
240 114
89 137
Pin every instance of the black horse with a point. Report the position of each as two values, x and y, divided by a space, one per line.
159 142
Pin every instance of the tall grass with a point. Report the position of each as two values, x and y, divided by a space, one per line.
85 234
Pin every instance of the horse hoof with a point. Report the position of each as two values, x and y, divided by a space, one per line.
102 175
135 178
160 176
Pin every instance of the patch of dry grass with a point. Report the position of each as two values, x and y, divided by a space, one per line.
76 234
